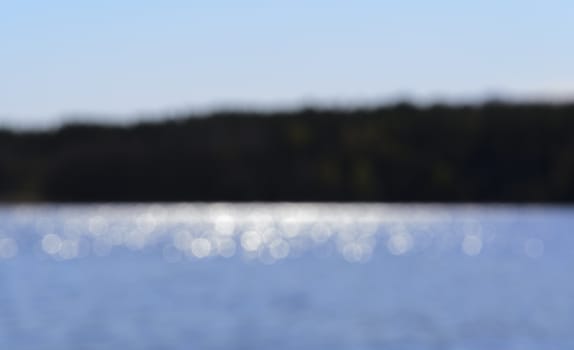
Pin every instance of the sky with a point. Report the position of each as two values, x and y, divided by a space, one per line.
124 59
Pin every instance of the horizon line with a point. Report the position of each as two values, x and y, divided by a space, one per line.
240 107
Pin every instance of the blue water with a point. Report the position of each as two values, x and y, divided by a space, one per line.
285 276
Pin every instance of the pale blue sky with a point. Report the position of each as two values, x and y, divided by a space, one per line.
123 58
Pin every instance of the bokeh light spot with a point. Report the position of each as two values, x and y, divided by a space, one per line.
201 247
8 248
251 241
472 245
279 249
400 243
51 243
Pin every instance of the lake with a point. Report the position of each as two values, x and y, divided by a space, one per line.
286 276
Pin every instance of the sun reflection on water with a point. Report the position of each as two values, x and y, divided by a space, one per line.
267 232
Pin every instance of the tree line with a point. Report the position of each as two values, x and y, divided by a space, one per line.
495 152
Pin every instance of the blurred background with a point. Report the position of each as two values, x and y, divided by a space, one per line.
286 174
286 101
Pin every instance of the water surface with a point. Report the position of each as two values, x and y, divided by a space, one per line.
286 276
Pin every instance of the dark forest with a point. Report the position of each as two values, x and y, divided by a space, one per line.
494 152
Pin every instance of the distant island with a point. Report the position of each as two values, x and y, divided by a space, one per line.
494 152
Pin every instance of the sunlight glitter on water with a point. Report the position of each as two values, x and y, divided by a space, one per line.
260 231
